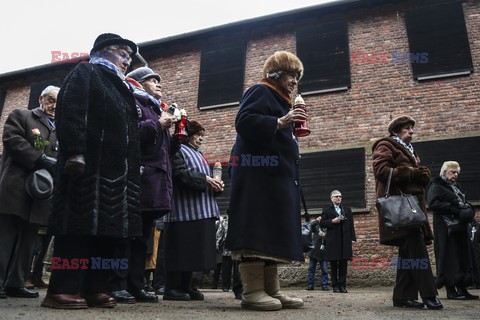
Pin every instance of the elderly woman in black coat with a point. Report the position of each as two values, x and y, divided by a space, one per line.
264 226
453 249
97 186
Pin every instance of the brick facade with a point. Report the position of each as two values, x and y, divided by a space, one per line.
444 109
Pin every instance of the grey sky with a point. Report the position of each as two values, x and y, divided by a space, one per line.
31 30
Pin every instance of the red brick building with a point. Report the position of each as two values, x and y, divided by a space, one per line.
366 61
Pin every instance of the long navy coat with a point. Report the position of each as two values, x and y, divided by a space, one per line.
96 117
265 199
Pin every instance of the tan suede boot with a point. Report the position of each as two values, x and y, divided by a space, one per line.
254 296
272 288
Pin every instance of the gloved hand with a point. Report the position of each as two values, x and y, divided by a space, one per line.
46 162
75 165
421 174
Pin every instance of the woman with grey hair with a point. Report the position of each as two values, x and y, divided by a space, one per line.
452 246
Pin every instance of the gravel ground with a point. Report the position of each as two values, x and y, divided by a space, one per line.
359 303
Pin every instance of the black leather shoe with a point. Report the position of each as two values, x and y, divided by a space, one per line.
432 303
160 291
325 288
144 296
343 289
464 292
238 296
196 295
3 295
408 304
455 296
21 293
310 288
149 288
336 289
452 294
177 295
122 296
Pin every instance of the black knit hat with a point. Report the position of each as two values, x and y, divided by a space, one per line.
108 39
399 122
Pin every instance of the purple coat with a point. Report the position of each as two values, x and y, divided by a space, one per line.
156 145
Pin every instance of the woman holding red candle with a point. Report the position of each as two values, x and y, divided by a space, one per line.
264 227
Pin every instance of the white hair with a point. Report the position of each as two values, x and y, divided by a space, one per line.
334 192
447 165
48 89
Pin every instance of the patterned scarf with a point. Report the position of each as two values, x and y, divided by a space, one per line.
97 58
145 95
460 196
409 146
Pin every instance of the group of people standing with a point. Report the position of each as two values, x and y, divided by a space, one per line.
395 155
118 169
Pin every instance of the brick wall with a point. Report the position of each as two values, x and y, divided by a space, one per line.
444 108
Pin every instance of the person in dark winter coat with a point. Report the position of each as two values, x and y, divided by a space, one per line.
21 213
396 153
156 147
453 250
264 226
190 225
97 187
317 255
338 220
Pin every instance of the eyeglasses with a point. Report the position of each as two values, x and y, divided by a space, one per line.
125 56
292 75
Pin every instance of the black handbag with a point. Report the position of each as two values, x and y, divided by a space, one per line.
306 227
453 224
400 211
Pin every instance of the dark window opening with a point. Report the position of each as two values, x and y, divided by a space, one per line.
222 70
438 33
325 55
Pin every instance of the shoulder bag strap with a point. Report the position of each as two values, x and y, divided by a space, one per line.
388 182
307 216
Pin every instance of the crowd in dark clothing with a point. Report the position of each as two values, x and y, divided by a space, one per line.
97 172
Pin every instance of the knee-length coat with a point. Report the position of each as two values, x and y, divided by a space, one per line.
18 161
97 118
387 153
265 201
339 237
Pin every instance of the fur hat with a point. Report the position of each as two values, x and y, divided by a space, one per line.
143 73
399 122
193 128
282 61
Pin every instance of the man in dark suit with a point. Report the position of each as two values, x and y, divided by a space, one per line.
338 220
29 143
